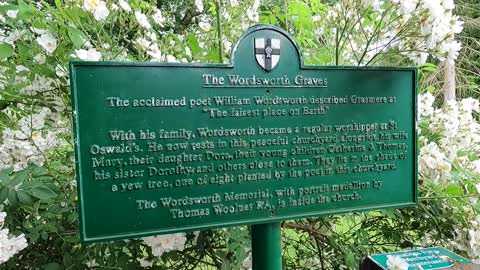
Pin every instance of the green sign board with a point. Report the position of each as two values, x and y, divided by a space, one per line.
425 258
164 147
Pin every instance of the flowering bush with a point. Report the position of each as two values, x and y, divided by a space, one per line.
37 187
371 32
447 214
449 163
9 245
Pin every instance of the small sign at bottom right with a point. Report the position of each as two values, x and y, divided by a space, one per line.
426 258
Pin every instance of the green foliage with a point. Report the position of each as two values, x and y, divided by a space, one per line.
6 50
468 64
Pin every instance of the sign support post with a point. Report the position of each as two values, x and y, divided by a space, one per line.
267 246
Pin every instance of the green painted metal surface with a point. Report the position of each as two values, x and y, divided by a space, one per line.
267 246
163 147
425 258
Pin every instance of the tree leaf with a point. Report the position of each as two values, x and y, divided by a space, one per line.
24 198
193 44
5 51
5 176
453 190
25 11
24 51
428 67
212 56
20 177
30 184
131 266
3 194
53 266
122 260
43 193
67 259
8 7
77 37
12 196
430 89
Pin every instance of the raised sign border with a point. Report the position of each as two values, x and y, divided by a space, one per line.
78 166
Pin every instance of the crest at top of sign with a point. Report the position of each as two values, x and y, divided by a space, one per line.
267 52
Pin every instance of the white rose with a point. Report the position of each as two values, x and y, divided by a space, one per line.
142 43
188 52
171 58
91 5
199 4
142 20
2 217
60 71
155 52
144 263
227 46
124 5
205 26
102 12
158 18
48 42
12 13
90 55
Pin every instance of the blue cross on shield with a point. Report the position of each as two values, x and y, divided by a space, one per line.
267 52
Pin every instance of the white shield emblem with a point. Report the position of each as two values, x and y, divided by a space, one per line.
267 52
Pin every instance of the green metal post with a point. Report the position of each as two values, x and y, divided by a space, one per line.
267 246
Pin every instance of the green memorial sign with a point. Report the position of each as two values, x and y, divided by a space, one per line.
163 147
425 258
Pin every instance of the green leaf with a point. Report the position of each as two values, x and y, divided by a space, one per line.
119 244
24 52
5 51
25 11
42 193
20 177
430 89
428 67
112 259
193 44
131 266
453 190
30 185
77 37
8 7
72 218
70 239
24 198
4 118
3 194
67 259
225 265
53 266
389 213
38 171
5 176
350 259
212 56
12 196
122 260
59 6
